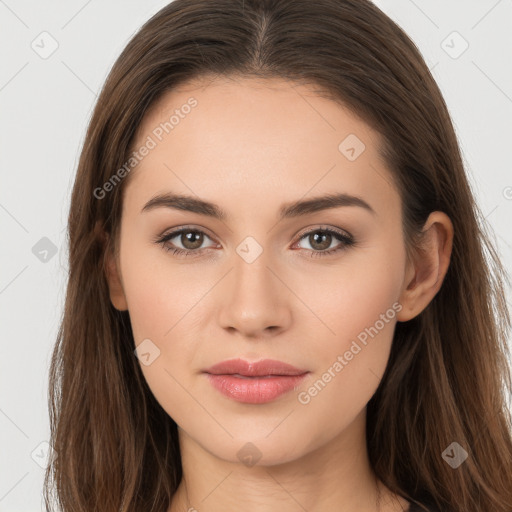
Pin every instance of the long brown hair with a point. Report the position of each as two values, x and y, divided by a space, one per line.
115 448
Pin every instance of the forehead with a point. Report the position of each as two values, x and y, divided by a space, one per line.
258 109
263 139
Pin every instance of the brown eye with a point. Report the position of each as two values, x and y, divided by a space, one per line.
320 241
191 239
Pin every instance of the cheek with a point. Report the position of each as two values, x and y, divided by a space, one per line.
355 292
164 302
367 296
349 364
357 303
148 298
158 301
158 294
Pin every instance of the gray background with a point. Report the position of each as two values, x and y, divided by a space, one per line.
45 107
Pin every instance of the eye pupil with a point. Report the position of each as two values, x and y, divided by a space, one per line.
322 235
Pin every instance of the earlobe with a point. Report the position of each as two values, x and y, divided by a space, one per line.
112 274
425 275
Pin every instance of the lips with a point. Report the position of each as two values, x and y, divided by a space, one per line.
254 383
265 367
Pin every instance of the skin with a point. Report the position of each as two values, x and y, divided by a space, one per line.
249 146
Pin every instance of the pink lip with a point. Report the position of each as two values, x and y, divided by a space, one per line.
254 383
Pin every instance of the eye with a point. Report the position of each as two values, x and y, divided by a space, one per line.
190 239
320 239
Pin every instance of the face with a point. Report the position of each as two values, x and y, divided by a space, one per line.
317 287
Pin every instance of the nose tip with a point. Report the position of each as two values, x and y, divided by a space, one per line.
252 326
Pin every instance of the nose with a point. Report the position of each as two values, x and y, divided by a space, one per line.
254 300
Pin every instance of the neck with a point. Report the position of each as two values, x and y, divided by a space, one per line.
335 476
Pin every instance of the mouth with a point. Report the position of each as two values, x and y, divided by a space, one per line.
254 383
252 377
262 368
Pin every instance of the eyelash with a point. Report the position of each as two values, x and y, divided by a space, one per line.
347 241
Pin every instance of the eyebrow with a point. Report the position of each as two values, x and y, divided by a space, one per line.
287 210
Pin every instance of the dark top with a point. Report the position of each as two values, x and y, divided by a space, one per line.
415 508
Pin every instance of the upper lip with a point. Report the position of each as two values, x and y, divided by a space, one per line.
254 369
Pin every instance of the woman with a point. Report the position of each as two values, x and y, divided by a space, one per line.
278 294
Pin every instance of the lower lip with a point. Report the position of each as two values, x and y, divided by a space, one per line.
254 390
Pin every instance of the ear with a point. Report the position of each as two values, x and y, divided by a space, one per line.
424 276
113 275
